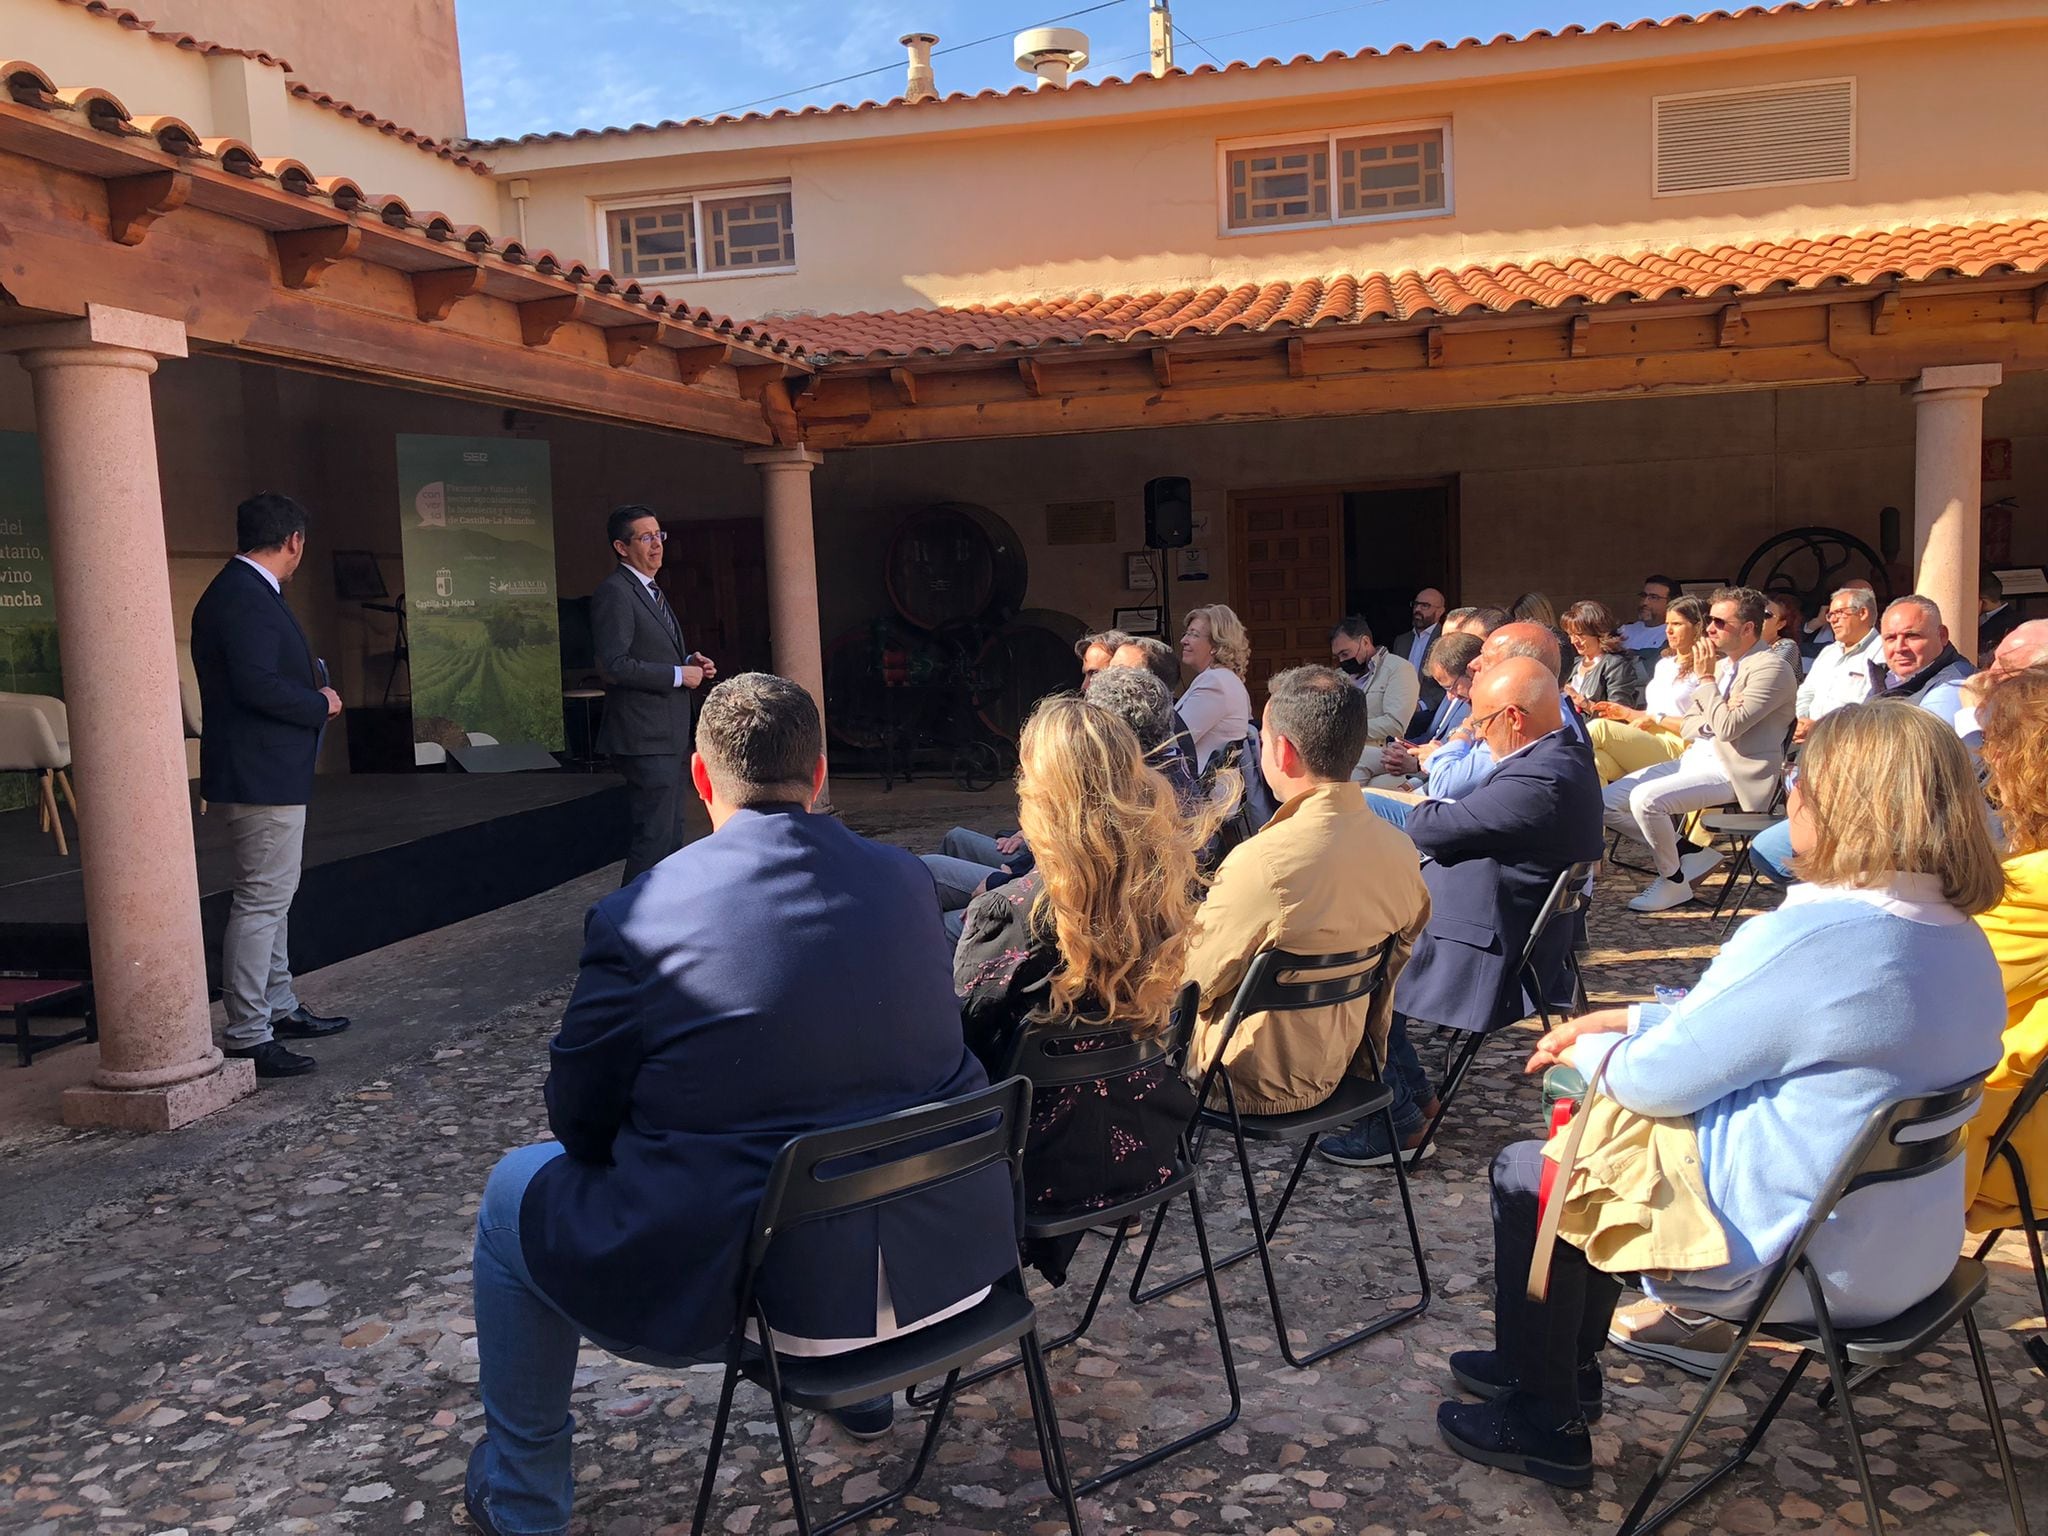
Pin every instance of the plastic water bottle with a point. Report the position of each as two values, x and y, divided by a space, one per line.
1669 997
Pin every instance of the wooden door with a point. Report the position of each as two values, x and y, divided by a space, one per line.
716 574
1286 577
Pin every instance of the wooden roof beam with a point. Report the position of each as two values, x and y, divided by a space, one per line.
623 343
696 357
539 319
2041 305
304 255
1883 310
1032 375
1731 326
436 291
904 382
136 202
1579 336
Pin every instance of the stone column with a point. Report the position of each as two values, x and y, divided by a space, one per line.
792 565
1948 466
159 1067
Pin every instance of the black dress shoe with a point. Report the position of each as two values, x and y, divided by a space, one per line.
301 1025
273 1060
1482 1373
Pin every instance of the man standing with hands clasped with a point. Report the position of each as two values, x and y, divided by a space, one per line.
648 674
264 699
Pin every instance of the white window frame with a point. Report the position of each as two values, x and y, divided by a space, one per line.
696 197
1227 147
1855 136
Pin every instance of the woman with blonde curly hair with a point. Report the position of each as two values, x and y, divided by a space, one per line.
2014 715
1097 933
1215 706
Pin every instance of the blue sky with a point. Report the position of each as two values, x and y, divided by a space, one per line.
626 61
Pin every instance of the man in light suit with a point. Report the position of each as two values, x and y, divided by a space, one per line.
781 976
1490 859
1426 615
265 700
1738 731
648 673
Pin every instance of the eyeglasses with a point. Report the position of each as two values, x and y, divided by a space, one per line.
1484 721
647 538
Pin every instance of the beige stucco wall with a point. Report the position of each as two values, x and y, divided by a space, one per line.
396 58
234 97
1112 192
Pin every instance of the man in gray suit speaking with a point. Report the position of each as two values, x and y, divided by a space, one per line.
648 674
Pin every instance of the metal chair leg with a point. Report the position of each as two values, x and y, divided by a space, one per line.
1446 1091
1838 1372
1998 1440
1046 1419
716 1452
1641 1519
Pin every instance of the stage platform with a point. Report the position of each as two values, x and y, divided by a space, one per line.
387 856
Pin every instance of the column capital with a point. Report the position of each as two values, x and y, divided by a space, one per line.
1976 378
806 459
102 329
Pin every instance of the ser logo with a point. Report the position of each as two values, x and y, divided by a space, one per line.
473 457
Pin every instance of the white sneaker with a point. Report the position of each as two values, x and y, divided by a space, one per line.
1694 865
1662 896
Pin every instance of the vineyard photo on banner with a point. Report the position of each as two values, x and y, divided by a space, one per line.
477 515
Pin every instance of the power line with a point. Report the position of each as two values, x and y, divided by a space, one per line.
894 65
1265 26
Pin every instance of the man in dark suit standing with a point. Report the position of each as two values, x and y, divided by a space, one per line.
265 700
1426 623
1490 859
781 976
648 674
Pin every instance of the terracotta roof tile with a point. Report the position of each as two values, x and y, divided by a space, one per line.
368 119
1147 81
299 88
185 40
1857 259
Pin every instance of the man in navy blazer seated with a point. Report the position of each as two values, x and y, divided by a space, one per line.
264 698
1490 859
780 976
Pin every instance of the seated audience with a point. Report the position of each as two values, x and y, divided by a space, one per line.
1624 739
1097 933
1605 673
1096 652
1489 860
692 1049
1783 618
1868 985
1736 732
1534 608
1646 637
1137 697
1157 657
1463 761
1216 707
1401 765
1324 876
1920 666
1426 625
1841 672
1770 851
1389 684
1996 617
2015 715
1484 621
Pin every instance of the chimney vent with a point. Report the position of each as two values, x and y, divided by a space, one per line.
1052 53
1162 38
922 86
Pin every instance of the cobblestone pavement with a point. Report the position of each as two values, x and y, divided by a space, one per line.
281 1342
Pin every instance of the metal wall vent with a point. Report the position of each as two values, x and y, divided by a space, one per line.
1760 136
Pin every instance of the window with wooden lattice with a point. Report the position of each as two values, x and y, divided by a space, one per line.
750 229
1344 176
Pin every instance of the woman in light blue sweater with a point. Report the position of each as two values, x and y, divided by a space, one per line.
1869 985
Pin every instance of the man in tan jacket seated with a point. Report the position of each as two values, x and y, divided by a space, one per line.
1324 876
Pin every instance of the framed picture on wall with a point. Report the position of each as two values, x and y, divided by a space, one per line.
1140 575
1136 621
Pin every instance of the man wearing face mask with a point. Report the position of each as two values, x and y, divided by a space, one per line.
1390 685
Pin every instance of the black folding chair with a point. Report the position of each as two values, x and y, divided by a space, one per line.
2001 1147
1570 895
903 1154
1897 1142
1054 1059
1275 983
1741 828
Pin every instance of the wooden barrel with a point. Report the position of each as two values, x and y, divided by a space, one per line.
1028 658
954 563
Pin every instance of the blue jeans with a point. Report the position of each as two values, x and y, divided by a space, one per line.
1389 809
526 1356
1771 852
1406 1075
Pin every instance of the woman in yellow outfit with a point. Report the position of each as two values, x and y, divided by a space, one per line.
1624 739
2015 719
